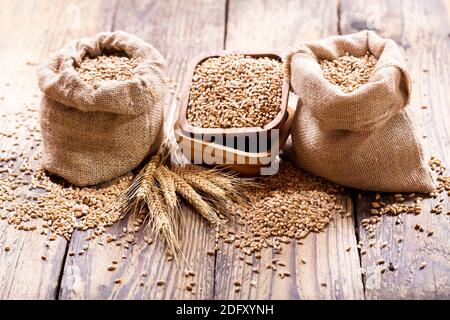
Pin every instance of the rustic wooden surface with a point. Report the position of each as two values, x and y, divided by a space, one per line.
31 30
183 31
422 29
263 25
29 33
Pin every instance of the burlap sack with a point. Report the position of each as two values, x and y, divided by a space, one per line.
364 139
94 135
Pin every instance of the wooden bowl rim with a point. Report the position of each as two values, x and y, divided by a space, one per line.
186 126
285 132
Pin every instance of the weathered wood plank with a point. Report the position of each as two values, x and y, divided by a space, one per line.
422 28
275 25
180 30
30 31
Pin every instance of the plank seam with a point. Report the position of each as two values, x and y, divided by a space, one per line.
227 7
338 9
61 272
15 267
114 15
214 276
354 198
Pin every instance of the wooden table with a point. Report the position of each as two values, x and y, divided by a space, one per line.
31 30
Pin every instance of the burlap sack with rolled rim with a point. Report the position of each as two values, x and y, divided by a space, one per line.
364 139
94 135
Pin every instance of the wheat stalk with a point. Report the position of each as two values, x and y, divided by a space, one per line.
157 187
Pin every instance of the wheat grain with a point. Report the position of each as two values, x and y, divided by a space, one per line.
288 205
160 282
66 209
349 72
106 68
235 91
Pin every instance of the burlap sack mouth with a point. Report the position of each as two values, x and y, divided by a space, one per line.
124 97
364 139
93 134
388 88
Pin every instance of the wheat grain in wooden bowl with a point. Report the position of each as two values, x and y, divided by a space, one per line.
234 94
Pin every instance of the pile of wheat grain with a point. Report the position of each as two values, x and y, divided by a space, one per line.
31 201
349 72
409 203
286 206
63 209
106 68
235 91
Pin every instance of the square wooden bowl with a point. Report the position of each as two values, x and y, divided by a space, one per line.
208 134
247 164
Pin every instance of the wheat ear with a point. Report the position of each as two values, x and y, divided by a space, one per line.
131 200
203 185
194 199
160 221
168 190
146 177
167 185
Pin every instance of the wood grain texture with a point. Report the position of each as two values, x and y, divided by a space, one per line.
180 30
270 25
276 25
422 29
29 34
